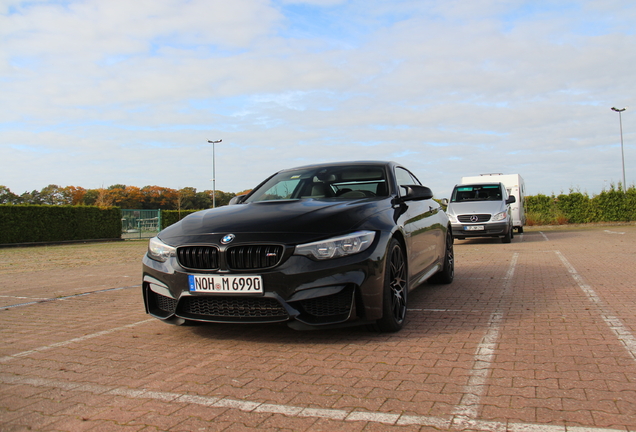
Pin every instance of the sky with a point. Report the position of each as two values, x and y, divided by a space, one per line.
101 92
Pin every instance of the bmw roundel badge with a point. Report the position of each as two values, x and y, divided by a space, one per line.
227 238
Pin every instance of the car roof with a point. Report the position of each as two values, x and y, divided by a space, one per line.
343 163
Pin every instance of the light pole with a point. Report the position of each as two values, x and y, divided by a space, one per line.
620 121
213 174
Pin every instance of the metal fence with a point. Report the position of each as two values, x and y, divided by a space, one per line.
137 224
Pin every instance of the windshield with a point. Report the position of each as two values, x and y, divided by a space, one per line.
340 182
485 192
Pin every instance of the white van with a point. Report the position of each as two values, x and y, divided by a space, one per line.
481 210
514 186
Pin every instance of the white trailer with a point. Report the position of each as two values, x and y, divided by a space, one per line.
515 186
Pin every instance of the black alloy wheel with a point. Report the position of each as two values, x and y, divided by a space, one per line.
395 290
446 274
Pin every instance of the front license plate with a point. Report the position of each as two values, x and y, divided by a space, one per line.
215 284
474 228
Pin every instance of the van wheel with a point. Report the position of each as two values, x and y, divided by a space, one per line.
507 238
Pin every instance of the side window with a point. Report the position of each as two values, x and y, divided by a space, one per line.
404 178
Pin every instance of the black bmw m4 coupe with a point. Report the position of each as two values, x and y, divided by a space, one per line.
317 246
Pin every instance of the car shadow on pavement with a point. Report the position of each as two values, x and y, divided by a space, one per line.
526 237
434 310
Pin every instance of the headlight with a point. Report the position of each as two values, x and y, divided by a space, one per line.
337 246
500 216
159 251
452 218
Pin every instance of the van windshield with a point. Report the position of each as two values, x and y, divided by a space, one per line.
482 192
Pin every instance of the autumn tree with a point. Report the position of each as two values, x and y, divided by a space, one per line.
8 197
203 200
53 195
120 195
126 197
74 195
117 193
156 197
104 198
90 197
32 197
186 198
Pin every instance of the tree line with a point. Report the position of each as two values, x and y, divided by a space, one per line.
122 196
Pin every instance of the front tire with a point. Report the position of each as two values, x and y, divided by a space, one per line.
395 293
508 237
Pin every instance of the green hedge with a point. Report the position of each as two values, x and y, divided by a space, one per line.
48 223
613 205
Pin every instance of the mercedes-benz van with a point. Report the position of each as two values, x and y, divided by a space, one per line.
481 210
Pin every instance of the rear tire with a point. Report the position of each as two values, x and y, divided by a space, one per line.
447 273
395 293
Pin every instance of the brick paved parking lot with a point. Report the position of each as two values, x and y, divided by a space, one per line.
536 335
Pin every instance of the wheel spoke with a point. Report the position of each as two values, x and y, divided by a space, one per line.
398 284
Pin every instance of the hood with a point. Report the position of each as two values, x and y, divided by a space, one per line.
280 221
476 207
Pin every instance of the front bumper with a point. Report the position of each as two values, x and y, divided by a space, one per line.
300 290
490 229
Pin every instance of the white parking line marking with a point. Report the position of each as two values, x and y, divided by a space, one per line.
544 236
469 404
436 422
36 301
614 323
294 411
279 409
70 341
333 414
373 417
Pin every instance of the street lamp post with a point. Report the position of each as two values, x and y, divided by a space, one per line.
213 174
620 121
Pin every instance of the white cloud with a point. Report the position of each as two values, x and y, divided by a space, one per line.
101 92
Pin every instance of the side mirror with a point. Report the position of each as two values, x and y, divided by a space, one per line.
417 193
445 201
237 199
511 199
